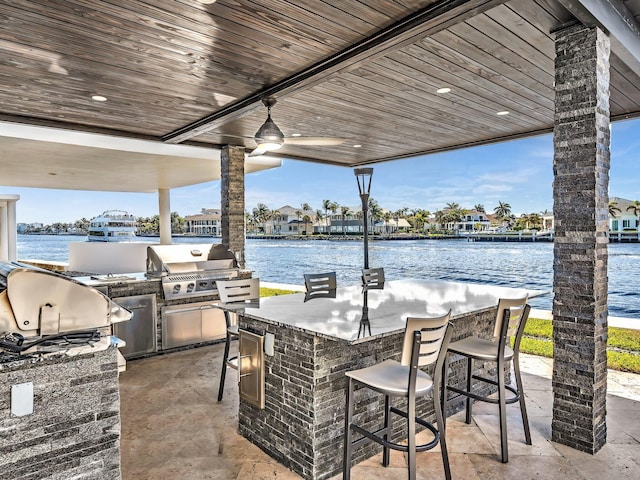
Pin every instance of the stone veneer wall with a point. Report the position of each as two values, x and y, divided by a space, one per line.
232 200
302 425
580 195
74 431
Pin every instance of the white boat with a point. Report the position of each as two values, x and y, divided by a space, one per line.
112 226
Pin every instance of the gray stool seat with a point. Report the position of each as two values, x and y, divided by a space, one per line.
480 349
390 378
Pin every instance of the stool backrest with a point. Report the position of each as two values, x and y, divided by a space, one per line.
320 285
517 316
373 278
238 291
432 333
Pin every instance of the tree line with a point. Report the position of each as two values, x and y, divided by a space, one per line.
145 225
418 218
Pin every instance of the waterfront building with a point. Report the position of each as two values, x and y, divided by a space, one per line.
624 220
207 222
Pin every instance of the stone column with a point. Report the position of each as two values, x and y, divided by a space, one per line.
232 200
580 194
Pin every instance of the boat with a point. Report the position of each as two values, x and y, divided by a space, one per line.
112 226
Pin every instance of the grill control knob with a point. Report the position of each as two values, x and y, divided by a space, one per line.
190 287
176 288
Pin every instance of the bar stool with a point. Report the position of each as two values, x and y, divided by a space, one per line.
320 285
425 343
510 320
235 294
372 278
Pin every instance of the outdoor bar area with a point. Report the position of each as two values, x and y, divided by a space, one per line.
185 95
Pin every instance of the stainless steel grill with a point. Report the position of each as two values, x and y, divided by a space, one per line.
190 270
40 303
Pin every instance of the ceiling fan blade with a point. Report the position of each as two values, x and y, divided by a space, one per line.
257 152
314 141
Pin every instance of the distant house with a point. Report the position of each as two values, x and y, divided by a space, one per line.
289 221
350 223
473 221
207 222
392 226
624 220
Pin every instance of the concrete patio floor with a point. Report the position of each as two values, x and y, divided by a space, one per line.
174 428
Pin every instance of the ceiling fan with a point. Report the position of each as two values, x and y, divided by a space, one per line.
269 137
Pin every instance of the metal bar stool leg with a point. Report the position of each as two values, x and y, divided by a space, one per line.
386 451
411 440
469 399
348 416
504 448
441 421
223 373
523 408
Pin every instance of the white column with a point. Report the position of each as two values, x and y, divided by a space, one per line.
165 216
8 228
4 232
12 236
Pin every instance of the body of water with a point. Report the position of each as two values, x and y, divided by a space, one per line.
523 265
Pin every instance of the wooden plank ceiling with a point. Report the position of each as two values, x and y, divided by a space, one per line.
164 64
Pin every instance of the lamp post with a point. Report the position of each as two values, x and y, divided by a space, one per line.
363 177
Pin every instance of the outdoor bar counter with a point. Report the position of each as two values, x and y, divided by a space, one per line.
317 341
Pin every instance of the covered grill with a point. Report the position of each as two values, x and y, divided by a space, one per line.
191 270
42 304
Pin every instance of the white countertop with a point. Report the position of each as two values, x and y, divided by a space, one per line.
389 308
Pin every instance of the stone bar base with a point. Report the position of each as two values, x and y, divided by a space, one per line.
302 425
74 430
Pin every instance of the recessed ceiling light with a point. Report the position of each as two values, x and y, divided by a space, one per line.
207 2
357 146
443 90
503 112
98 98
296 134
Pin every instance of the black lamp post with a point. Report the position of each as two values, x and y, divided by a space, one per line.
363 176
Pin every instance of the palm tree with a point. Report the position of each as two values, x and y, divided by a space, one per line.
334 208
421 217
503 210
388 216
306 218
635 209
479 208
299 215
344 211
375 211
613 208
320 217
326 204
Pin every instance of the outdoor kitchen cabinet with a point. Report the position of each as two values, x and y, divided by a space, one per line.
139 333
191 323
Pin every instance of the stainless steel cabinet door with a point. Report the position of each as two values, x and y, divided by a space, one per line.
140 332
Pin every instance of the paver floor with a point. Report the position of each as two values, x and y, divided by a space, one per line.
174 428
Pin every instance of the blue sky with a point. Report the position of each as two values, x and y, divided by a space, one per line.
519 172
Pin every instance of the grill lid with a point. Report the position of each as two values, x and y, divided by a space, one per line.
40 302
183 258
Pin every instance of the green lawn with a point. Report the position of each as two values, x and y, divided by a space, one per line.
623 352
623 348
